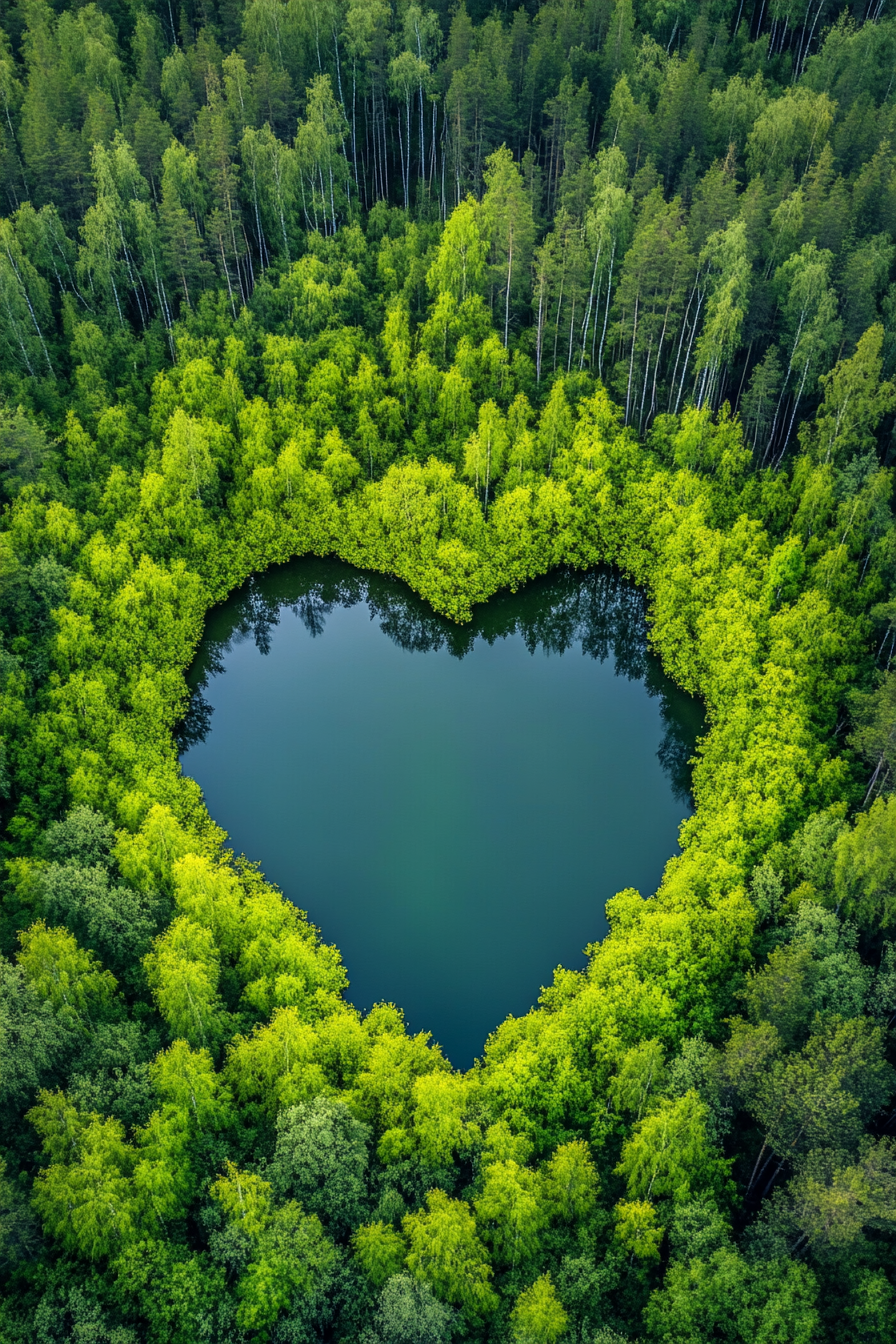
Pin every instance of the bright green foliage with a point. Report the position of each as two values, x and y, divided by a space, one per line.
512 1211
641 1073
440 1127
281 961
447 1254
182 970
381 1252
58 970
637 1230
571 1182
292 1254
538 1316
865 867
186 1079
459 266
209 896
149 854
245 1199
486 448
85 1198
669 1154
276 1063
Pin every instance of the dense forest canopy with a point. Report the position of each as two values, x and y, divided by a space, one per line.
460 295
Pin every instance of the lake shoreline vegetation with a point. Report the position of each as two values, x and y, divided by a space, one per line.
458 296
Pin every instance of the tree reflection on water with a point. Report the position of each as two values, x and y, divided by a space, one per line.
597 609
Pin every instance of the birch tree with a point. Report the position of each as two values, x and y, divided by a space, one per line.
507 212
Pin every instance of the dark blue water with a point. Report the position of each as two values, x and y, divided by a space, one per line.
451 805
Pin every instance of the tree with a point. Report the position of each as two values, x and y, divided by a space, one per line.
187 462
865 865
637 1230
555 425
459 266
175 1292
24 450
441 1126
509 224
182 970
210 895
24 301
115 922
512 1211
321 1160
289 1250
367 37
831 1201
477 103
407 1313
789 132
659 298
641 1074
812 329
186 1079
821 1097
271 167
322 163
728 1297
725 257
85 837
669 1154
69 977
181 212
538 1316
408 74
855 401
85 1197
246 1199
447 1254
571 1182
380 1251
485 449
214 145
34 1041
608 225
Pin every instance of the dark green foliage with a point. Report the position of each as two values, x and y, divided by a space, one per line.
321 1159
407 1313
34 1043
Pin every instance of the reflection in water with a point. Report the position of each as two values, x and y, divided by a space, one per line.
600 610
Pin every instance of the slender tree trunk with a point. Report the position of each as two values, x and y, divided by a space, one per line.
509 277
603 335
408 151
34 322
354 124
557 320
587 319
687 358
539 330
631 363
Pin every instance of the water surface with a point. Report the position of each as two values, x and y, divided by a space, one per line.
452 805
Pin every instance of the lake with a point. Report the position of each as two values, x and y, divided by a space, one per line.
452 805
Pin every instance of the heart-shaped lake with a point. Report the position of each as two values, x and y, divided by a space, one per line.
451 805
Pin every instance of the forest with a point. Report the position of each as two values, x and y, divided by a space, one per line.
458 294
